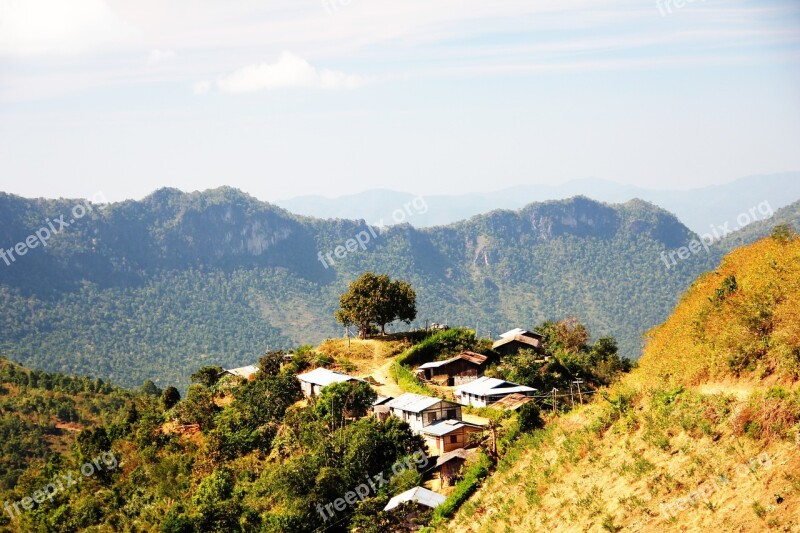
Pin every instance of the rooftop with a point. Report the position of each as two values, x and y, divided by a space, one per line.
420 495
512 402
242 372
324 377
460 453
487 386
472 357
445 427
531 341
519 331
413 403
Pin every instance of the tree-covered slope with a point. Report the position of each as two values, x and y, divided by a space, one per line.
149 289
41 414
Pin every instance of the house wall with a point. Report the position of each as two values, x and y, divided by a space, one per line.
475 401
450 471
441 410
444 444
460 367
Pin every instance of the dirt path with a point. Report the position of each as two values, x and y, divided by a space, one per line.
387 386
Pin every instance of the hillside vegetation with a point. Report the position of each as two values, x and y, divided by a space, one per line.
42 413
702 436
151 289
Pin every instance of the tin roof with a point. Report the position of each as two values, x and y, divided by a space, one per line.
487 386
413 403
445 427
243 372
421 495
472 357
324 377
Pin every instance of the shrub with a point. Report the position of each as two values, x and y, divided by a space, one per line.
529 417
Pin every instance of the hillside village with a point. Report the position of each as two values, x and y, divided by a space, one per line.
436 430
457 383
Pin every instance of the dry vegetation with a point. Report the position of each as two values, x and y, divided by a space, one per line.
704 434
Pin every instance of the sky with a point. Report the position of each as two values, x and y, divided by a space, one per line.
284 98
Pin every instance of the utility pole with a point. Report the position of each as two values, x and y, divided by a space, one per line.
578 383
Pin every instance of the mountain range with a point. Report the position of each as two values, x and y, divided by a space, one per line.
697 208
152 289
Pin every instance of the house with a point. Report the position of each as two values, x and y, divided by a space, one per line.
449 466
228 379
379 409
447 435
420 411
312 382
419 495
486 391
245 372
518 339
462 368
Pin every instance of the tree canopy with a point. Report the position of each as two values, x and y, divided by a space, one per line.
376 299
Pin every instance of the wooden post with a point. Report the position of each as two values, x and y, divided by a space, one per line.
571 397
580 396
555 400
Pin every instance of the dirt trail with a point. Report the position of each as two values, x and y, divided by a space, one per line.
387 386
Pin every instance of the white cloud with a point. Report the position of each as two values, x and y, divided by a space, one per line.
288 72
159 56
41 27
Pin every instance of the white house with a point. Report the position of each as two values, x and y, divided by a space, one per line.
485 391
420 411
312 382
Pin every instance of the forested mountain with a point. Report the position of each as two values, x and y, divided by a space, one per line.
789 215
697 208
154 288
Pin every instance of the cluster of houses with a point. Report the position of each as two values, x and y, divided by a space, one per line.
437 420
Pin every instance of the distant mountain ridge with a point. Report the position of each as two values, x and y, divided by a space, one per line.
696 208
153 288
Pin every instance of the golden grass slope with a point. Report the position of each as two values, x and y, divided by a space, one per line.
703 435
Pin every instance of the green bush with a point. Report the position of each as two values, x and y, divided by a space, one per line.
441 343
408 381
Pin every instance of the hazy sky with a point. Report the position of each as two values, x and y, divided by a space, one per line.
288 97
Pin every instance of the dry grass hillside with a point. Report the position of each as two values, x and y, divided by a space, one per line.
703 435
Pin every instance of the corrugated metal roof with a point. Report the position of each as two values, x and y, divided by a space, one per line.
512 402
413 403
243 372
472 357
420 495
487 386
445 427
324 377
460 453
380 400
519 331
535 342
